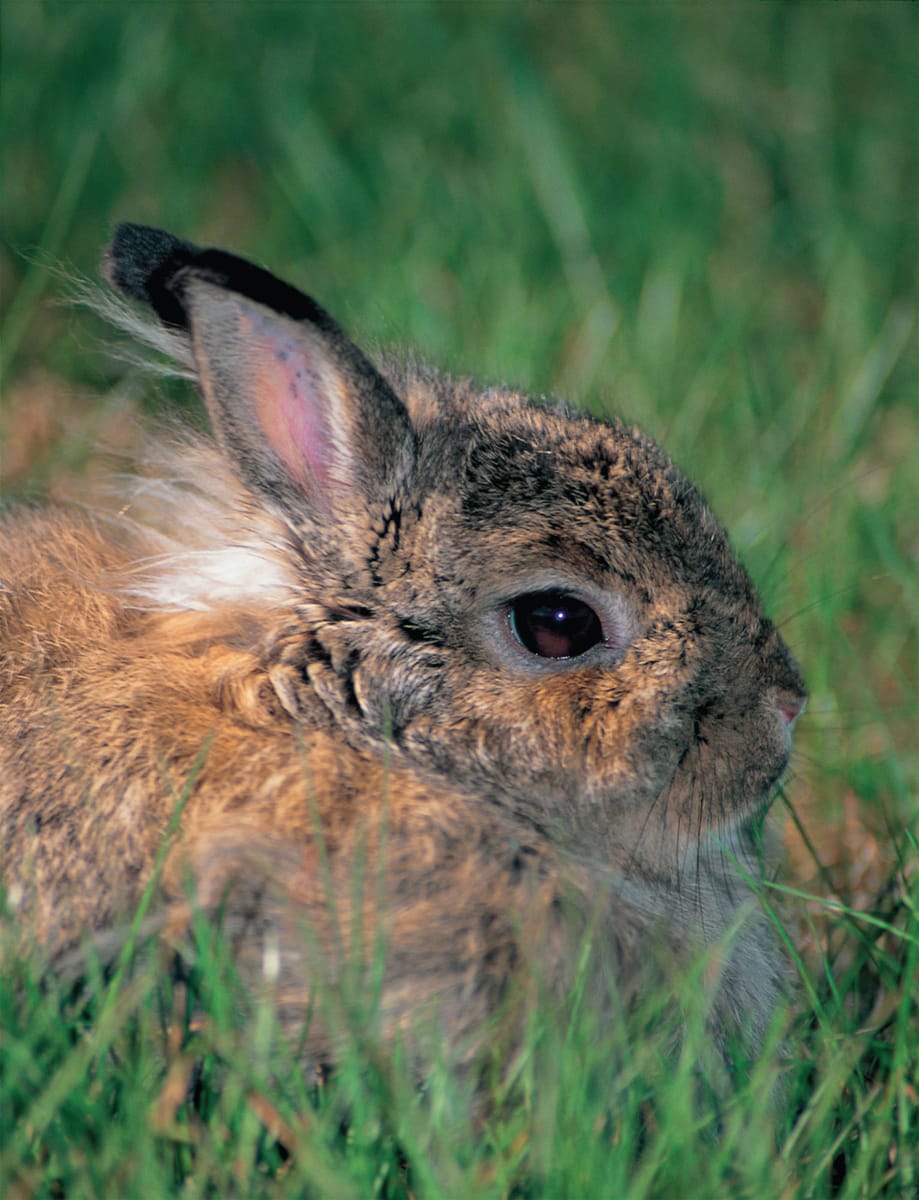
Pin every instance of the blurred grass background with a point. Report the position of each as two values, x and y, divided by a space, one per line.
701 217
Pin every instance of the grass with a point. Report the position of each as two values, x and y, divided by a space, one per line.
703 218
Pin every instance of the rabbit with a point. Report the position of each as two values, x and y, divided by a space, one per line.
390 659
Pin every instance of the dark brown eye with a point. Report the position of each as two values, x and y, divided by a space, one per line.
554 625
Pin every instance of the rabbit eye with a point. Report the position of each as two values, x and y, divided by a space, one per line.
554 625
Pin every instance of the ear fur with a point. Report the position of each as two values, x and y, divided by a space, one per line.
296 406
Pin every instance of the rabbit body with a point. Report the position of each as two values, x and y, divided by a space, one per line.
392 655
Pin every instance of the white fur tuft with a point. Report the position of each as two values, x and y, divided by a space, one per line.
171 355
200 539
199 580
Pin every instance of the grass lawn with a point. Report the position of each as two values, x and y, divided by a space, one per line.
703 218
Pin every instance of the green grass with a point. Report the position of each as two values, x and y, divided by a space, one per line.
701 217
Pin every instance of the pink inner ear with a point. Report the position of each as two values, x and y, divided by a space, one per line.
295 397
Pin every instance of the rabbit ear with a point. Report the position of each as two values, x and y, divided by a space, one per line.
298 408
295 404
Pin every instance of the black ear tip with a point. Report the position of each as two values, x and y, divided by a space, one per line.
137 256
154 266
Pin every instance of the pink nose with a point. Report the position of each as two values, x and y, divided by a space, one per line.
790 708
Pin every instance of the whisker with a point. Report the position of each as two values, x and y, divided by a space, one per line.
819 601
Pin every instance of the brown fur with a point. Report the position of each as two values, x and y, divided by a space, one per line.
350 722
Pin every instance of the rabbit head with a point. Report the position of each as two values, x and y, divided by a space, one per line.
520 598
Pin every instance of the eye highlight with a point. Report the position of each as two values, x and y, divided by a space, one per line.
554 624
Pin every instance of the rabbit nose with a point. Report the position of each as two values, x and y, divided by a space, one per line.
789 707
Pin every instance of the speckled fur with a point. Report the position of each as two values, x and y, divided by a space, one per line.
322 672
